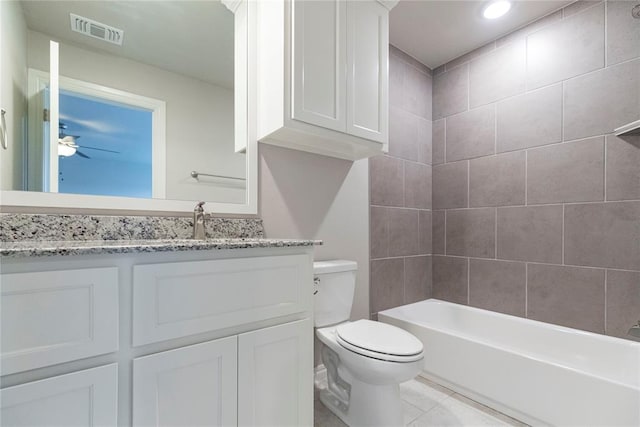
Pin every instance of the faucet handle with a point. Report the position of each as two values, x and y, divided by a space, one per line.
199 207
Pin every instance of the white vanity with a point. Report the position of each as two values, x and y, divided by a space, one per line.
215 337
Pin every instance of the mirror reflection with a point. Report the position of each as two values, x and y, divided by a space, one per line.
145 99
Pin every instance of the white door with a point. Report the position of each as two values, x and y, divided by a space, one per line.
367 70
275 376
190 386
319 62
84 398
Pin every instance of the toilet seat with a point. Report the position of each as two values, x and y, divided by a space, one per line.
379 341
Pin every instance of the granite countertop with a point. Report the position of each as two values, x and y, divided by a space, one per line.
30 248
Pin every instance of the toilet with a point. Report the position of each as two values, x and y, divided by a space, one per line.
365 360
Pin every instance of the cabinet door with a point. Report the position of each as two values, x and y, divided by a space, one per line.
275 376
190 386
319 62
367 70
84 398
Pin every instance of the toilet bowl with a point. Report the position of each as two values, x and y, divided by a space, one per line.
365 360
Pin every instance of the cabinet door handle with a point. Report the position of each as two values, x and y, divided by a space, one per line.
3 130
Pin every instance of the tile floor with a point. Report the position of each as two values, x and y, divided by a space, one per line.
427 404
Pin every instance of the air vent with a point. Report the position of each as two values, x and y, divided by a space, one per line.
95 29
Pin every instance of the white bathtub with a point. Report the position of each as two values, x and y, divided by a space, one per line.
536 372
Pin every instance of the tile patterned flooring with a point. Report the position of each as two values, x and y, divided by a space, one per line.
427 404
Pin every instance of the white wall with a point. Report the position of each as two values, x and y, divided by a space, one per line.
199 115
309 196
13 89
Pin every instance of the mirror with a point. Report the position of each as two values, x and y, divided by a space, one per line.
146 103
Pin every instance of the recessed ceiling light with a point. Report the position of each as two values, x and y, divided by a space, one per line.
496 9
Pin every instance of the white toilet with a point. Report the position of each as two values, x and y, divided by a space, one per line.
365 360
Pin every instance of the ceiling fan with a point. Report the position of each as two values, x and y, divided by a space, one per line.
67 144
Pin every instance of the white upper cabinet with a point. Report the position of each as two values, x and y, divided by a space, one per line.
367 66
323 75
319 64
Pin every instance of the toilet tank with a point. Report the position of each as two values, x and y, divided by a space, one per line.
334 285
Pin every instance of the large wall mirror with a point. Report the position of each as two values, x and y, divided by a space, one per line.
126 105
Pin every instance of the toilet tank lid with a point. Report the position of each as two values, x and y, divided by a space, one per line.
334 266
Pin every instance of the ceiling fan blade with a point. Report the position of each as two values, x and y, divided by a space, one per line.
99 149
82 155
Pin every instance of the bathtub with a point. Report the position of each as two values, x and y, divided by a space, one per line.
536 372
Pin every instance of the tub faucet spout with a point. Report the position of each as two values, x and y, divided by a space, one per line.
634 332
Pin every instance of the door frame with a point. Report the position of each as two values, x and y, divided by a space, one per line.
39 79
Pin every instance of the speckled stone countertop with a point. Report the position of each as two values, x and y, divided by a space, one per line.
34 248
28 235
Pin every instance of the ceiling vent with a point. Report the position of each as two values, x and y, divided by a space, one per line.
95 29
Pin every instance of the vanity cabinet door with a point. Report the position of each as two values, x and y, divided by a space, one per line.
84 398
189 386
319 62
275 376
367 65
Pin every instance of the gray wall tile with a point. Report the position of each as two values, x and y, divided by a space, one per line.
567 296
379 232
417 185
603 235
498 74
566 48
532 233
498 286
386 181
471 232
424 221
425 149
438 136
571 172
450 279
387 284
623 301
497 180
451 92
578 6
529 29
530 120
599 102
409 87
450 185
408 59
471 134
417 279
404 229
404 134
467 57
623 168
438 232
623 32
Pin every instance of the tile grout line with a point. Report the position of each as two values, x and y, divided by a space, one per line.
445 232
563 215
526 177
526 290
604 180
468 281
606 285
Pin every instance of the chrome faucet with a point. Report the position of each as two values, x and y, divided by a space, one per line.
198 222
635 331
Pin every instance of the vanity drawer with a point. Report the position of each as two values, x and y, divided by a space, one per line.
173 300
53 317
88 397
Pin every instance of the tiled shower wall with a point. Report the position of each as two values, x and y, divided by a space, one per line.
536 205
400 191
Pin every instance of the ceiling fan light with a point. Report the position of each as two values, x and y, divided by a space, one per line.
496 9
66 150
